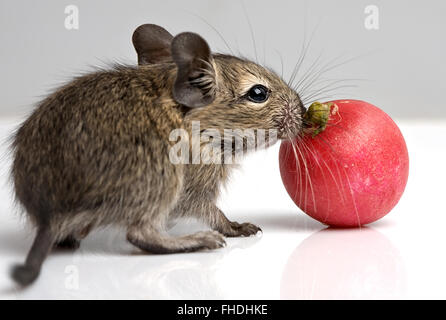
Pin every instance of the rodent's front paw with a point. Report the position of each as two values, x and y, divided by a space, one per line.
210 239
241 229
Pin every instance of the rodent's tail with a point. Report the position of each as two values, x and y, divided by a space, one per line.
25 274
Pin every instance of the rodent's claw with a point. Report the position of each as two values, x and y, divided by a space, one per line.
210 239
242 230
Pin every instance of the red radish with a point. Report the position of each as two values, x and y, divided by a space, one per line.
353 172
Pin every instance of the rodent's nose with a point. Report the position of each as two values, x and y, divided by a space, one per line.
291 120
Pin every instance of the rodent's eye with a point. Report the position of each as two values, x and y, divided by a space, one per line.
258 93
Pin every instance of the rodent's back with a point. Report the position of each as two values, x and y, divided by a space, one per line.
86 141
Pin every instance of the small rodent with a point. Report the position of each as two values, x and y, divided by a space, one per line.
96 151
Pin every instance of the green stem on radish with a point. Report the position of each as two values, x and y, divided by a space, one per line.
317 116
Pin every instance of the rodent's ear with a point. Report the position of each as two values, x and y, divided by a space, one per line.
195 83
152 44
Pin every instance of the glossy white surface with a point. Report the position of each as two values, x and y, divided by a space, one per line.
401 256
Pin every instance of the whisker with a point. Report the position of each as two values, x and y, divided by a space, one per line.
317 93
347 180
308 73
331 82
334 160
302 141
338 187
307 174
281 62
308 81
298 170
323 98
303 54
328 66
251 31
215 30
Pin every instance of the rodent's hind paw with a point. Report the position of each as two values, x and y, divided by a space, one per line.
209 240
155 243
241 229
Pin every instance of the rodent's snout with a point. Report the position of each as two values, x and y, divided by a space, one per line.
291 120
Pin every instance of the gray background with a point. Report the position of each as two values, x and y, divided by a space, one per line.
399 67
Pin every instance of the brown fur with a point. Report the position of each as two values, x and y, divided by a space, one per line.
95 152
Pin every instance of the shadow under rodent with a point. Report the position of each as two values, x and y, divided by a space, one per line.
96 151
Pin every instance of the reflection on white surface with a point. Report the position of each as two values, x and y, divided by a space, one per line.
288 261
344 264
110 268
